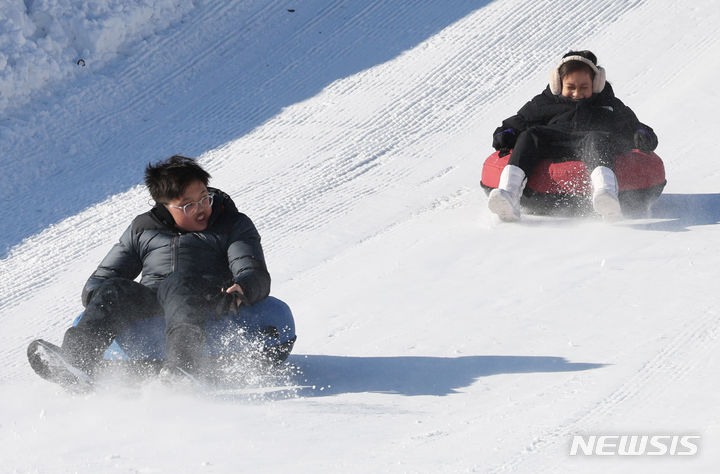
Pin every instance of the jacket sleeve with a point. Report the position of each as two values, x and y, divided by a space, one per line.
516 122
123 261
529 115
627 123
246 260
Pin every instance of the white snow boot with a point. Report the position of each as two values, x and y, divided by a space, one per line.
505 200
605 193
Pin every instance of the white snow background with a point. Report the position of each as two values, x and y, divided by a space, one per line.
432 338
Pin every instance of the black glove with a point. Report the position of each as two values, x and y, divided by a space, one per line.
504 139
223 302
645 140
226 303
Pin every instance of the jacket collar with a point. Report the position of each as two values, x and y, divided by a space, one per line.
161 213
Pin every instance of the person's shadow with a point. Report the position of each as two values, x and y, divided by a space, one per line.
323 375
682 211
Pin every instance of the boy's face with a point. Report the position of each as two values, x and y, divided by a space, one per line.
577 85
194 220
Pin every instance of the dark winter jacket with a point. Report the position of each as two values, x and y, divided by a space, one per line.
601 112
227 251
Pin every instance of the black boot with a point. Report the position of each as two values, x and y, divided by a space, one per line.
51 363
84 347
185 346
74 365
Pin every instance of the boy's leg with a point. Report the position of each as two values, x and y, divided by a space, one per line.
113 306
187 300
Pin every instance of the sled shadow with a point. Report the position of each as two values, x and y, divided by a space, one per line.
683 211
412 375
296 68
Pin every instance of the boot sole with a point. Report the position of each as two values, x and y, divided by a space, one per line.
47 361
498 204
607 206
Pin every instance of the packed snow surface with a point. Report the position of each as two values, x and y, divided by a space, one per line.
432 338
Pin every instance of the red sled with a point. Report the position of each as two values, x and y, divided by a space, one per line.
557 186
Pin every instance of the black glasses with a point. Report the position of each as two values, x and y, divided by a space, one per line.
191 208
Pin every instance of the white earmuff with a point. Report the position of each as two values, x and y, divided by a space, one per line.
555 81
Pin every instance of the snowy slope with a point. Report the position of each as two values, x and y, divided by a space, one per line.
353 133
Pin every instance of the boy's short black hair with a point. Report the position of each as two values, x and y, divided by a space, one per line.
168 179
573 66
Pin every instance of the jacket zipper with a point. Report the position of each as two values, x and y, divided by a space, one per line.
173 253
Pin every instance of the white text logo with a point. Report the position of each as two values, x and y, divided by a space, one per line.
635 445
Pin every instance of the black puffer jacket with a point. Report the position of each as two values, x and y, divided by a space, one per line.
602 112
227 251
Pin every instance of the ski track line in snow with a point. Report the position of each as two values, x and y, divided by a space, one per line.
679 356
343 166
223 48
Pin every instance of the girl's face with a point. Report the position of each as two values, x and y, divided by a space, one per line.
577 85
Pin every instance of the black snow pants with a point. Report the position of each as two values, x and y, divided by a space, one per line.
184 300
544 142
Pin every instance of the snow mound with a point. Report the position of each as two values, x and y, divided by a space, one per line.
44 42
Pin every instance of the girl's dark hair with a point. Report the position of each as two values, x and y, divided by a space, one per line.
168 179
573 66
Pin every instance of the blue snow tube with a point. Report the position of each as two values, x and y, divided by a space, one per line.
266 328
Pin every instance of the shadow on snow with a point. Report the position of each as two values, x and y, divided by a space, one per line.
683 211
413 375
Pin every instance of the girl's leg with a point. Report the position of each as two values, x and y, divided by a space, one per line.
539 143
527 151
598 151
533 145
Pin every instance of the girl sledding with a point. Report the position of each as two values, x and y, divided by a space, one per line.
574 143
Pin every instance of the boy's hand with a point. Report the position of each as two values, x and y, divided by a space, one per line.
239 299
229 300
